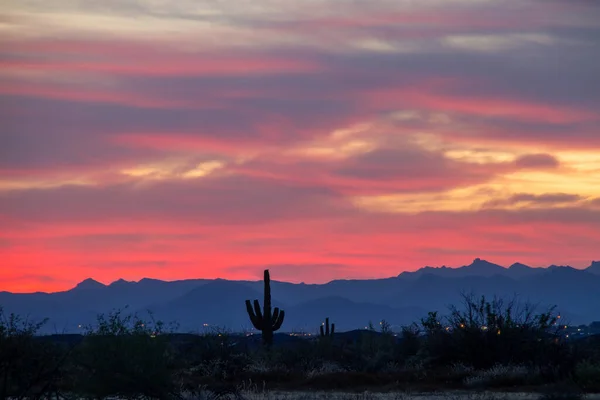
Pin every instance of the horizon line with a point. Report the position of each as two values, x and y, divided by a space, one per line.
477 259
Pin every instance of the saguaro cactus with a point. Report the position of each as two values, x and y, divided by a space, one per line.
264 320
327 332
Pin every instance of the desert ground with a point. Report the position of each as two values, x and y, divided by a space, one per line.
457 395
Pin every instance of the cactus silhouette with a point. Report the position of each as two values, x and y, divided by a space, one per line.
327 332
264 320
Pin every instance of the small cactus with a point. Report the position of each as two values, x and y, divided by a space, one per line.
264 320
327 332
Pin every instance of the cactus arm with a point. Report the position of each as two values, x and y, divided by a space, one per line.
253 318
275 314
279 321
326 329
258 312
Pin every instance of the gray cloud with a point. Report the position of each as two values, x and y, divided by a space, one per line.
228 201
412 169
547 199
77 133
537 161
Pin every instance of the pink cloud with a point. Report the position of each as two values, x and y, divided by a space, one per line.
142 59
92 95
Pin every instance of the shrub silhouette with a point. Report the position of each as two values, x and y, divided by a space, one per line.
479 344
28 366
484 333
125 356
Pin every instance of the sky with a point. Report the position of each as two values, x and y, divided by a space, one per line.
321 139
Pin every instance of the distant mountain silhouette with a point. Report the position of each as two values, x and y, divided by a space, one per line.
219 303
88 284
437 293
351 304
478 267
594 268
519 271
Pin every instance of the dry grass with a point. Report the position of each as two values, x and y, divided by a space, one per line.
274 395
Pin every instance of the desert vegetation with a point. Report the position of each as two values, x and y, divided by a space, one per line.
476 347
266 321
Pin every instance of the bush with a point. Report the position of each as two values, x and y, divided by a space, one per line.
562 391
410 343
485 344
587 376
485 333
500 376
127 357
28 367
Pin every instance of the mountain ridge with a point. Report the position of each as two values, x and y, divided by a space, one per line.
400 300
477 267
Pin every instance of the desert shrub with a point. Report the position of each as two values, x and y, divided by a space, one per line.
371 352
348 379
299 358
485 333
438 347
213 356
500 376
587 376
28 366
410 343
561 391
587 349
127 357
325 368
326 347
215 345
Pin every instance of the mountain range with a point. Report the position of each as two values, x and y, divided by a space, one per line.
200 304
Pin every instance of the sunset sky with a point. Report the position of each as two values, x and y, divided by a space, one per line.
322 139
